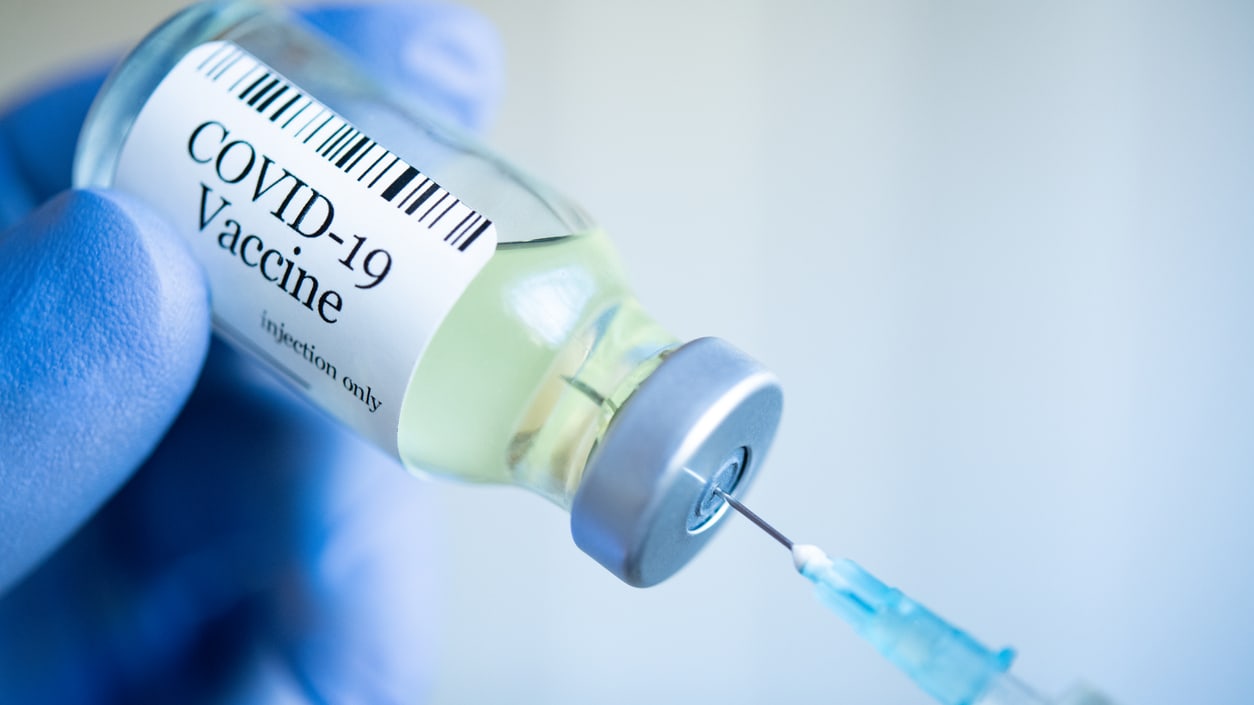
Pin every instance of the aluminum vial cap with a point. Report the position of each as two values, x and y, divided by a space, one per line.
703 420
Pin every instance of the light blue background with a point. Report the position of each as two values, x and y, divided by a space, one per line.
1001 255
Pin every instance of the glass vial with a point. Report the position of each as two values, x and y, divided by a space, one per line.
423 290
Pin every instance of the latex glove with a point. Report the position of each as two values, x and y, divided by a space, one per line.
262 553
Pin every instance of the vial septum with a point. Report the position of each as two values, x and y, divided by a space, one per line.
711 506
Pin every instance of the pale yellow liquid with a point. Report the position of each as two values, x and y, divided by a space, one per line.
529 367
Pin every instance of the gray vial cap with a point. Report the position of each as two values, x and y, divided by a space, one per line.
703 420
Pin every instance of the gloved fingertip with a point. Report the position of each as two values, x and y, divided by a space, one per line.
447 56
104 328
182 294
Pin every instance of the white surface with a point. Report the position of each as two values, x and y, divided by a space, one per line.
1001 256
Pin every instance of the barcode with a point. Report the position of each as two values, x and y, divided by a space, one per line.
350 150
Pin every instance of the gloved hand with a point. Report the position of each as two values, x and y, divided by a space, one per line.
261 553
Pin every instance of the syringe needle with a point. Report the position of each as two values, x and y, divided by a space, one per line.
748 514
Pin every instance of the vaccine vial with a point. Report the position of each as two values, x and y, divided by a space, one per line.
421 289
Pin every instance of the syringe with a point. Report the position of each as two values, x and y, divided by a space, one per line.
943 660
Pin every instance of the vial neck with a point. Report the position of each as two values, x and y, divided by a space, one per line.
592 378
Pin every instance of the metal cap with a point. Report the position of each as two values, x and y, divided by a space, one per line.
704 419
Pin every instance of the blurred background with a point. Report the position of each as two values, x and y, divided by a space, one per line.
1001 255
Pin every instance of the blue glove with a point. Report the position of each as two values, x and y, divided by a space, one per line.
164 539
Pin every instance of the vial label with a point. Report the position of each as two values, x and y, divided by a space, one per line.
328 256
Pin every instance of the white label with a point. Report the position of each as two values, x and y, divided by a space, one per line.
328 256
